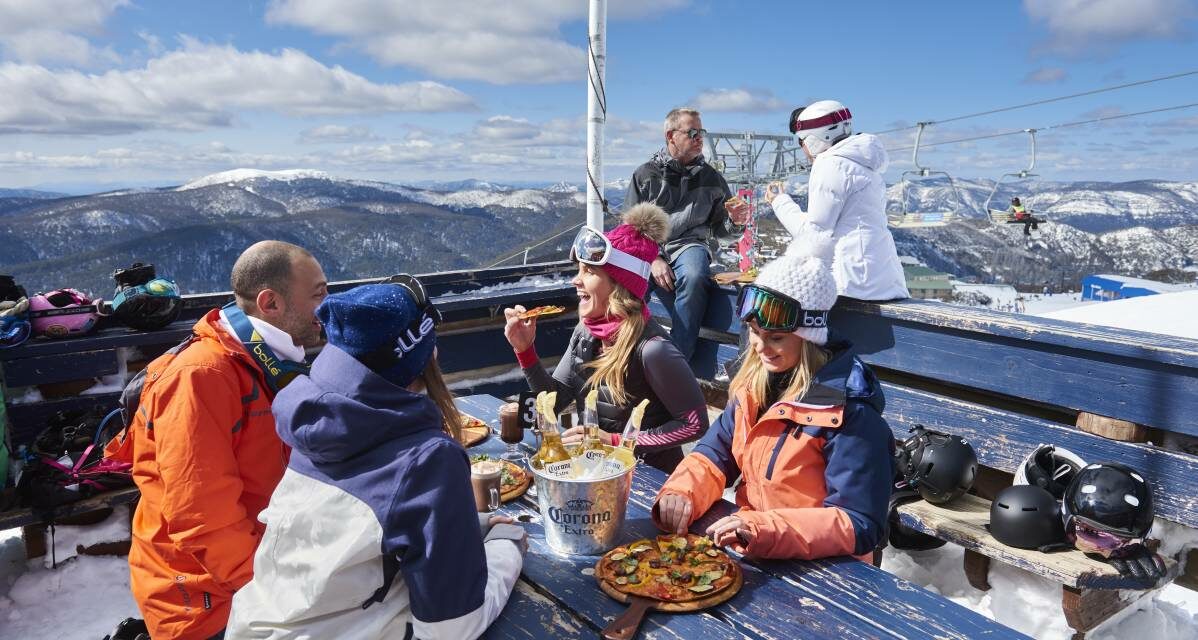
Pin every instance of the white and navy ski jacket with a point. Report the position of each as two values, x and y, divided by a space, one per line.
847 196
372 533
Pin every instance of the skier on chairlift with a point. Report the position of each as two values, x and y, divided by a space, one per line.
1022 216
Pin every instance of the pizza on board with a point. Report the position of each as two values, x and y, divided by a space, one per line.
670 568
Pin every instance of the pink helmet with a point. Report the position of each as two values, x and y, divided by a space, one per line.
63 312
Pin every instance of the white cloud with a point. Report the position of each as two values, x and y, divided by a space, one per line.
1077 26
1046 75
737 100
516 41
201 86
337 133
49 30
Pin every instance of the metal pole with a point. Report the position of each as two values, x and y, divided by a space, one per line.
596 111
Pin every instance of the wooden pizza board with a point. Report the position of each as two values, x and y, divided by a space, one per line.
690 606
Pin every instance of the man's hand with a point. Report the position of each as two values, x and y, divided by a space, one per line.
674 512
519 333
572 436
731 531
738 210
773 190
663 275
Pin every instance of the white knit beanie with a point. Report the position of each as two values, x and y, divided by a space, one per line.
805 274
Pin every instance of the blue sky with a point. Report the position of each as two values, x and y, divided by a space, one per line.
133 92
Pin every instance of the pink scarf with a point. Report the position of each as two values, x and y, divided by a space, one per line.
605 328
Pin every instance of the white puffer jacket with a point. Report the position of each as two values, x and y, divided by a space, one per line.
847 196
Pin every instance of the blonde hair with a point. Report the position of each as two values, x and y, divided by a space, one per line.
612 367
754 378
438 391
675 115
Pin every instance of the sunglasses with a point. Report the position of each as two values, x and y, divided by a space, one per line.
593 248
775 311
419 295
693 133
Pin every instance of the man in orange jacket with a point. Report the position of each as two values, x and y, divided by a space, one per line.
203 444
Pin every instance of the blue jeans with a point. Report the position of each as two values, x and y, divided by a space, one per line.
688 301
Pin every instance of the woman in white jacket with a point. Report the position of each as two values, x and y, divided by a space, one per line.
847 196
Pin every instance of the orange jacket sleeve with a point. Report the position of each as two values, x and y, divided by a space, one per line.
702 475
196 411
799 533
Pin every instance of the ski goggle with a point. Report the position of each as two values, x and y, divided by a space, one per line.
1089 539
593 248
157 287
775 311
419 295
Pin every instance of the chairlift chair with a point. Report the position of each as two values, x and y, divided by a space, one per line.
1004 216
909 219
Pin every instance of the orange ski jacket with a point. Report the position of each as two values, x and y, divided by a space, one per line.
815 471
206 458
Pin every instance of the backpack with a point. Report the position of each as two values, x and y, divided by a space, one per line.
117 445
66 464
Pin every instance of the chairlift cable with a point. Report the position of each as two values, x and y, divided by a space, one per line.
1050 127
1049 100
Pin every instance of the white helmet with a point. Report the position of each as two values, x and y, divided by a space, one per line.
1050 468
821 125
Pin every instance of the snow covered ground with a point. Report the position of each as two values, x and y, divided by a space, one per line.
1032 605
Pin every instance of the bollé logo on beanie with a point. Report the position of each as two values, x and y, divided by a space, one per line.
381 326
804 273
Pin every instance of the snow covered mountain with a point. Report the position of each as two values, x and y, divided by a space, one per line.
194 232
361 228
1095 207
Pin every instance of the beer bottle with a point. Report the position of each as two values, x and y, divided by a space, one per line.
622 456
592 452
552 459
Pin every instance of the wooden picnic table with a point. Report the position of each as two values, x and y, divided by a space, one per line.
838 598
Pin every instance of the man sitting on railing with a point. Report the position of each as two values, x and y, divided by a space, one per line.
203 444
693 194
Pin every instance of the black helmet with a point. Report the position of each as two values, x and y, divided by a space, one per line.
1051 468
941 467
134 275
1027 517
143 300
1110 497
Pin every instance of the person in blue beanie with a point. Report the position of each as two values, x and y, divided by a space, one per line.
373 533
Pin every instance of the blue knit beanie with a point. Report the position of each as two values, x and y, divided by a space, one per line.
381 326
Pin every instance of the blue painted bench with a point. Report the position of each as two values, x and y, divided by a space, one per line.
1008 383
833 598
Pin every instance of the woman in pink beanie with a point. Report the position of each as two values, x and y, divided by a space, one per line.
617 348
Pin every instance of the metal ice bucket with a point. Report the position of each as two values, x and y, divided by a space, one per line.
582 517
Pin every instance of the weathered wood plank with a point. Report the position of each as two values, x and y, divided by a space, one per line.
963 522
531 615
1002 439
25 517
60 368
836 597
